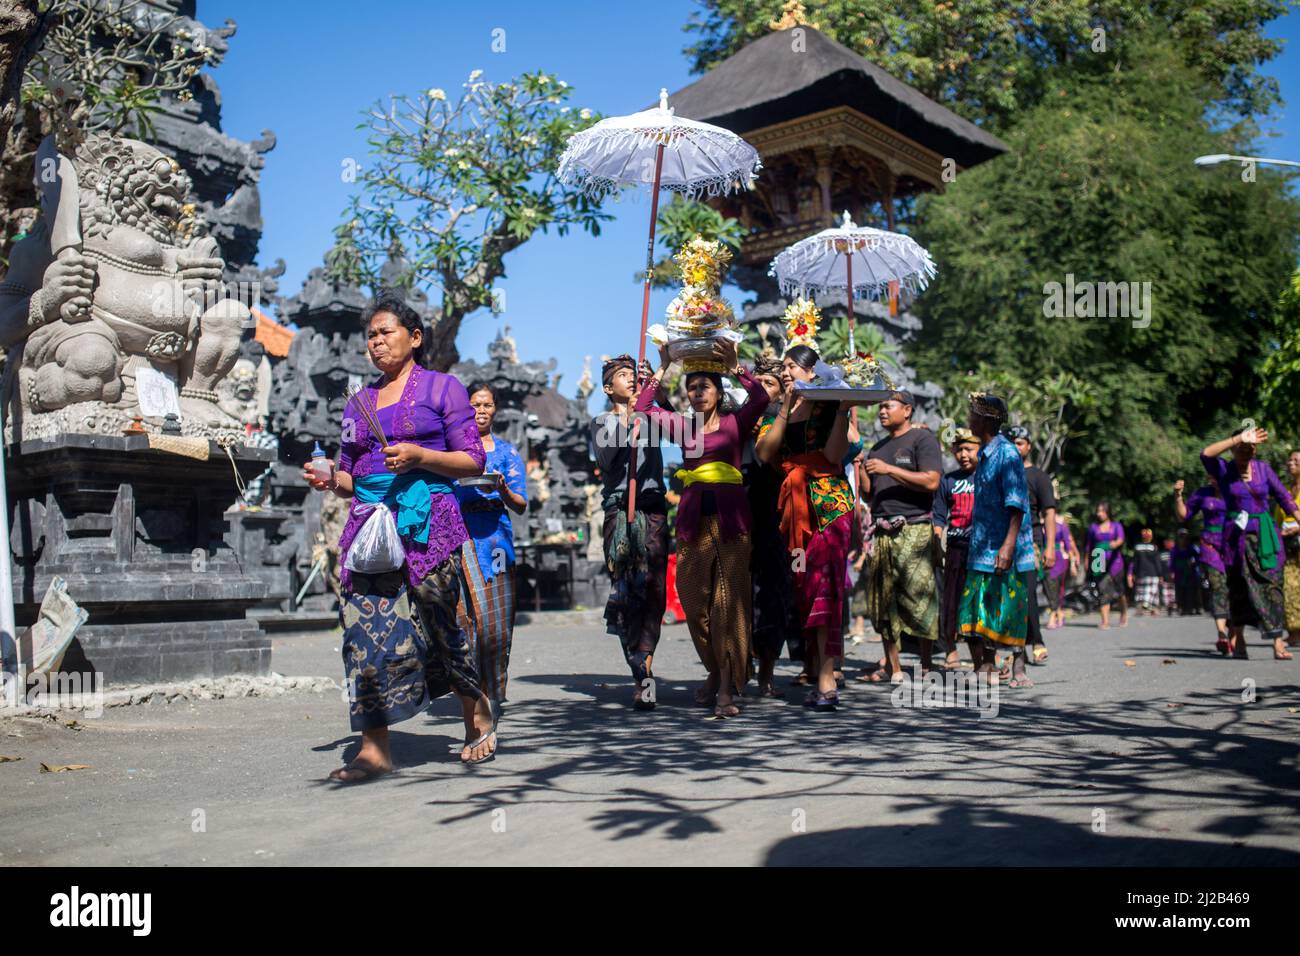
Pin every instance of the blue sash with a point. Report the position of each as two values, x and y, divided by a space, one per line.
406 496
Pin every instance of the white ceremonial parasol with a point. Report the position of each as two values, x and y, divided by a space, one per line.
857 259
654 148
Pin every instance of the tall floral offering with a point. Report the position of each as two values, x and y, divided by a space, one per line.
698 317
802 317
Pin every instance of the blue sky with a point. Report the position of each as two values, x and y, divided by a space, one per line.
307 70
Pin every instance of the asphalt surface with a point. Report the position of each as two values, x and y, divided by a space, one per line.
1136 746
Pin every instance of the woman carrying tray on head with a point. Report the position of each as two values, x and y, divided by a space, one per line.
488 557
808 440
401 644
713 519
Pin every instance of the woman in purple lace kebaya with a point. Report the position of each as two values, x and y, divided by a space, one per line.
1253 546
402 646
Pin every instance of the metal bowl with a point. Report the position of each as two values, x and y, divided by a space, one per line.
680 350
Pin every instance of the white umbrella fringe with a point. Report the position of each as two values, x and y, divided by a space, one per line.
596 160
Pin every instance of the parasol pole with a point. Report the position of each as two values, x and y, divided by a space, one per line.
645 314
848 263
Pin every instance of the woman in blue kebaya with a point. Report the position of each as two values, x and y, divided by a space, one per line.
488 557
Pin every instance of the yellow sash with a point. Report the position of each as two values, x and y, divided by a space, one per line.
711 472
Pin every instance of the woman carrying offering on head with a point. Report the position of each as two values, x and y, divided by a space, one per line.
713 520
808 440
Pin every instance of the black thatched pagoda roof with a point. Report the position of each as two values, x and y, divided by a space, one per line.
767 82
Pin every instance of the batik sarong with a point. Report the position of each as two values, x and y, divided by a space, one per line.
1255 592
1110 588
1291 591
819 586
1216 591
714 587
488 615
995 607
638 595
902 591
402 648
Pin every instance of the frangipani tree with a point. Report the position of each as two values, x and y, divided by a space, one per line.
457 182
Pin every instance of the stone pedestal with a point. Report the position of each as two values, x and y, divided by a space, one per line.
142 538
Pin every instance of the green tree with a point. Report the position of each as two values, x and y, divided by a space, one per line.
1280 397
989 59
680 221
458 184
102 66
1099 185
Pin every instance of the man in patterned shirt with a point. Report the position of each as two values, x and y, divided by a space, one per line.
994 609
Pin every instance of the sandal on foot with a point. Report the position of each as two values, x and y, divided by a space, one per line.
1038 657
357 773
826 702
471 744
730 710
1021 681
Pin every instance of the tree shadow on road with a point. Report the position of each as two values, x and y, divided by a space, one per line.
1147 764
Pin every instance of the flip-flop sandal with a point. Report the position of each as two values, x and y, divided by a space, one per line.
358 774
879 676
1284 656
803 680
1019 682
769 691
474 743
722 713
826 703
1038 659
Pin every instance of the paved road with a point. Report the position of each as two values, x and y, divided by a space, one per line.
1159 763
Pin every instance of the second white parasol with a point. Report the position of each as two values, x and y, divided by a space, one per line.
858 259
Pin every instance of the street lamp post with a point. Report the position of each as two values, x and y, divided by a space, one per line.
1215 158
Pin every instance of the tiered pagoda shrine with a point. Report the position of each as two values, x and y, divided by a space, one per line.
835 132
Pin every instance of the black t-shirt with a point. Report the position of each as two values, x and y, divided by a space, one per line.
915 450
1146 561
1041 497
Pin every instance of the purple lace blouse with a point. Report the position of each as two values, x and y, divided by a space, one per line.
724 445
434 413
1248 496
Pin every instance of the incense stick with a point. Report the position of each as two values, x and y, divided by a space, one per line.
369 412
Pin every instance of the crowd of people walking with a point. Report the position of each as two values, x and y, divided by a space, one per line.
777 497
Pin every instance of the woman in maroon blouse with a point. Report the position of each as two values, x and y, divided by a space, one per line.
713 521
402 646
